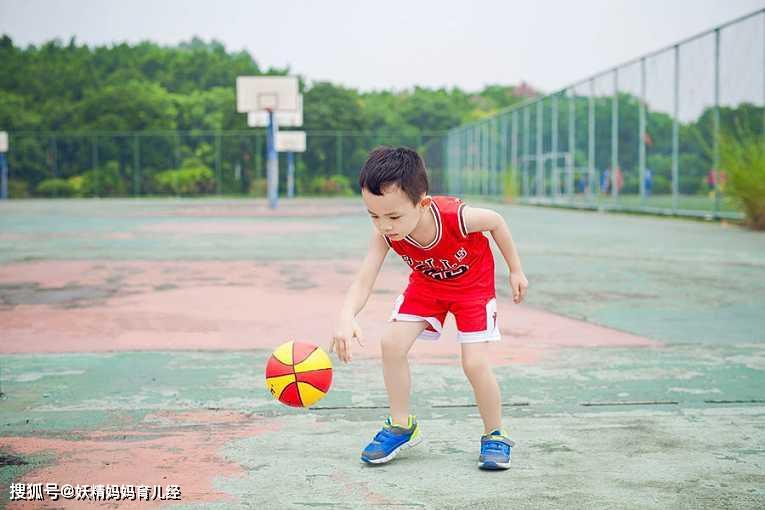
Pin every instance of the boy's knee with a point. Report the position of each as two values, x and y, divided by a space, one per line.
393 346
474 366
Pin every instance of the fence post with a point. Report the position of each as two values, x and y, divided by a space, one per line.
94 164
540 164
339 152
514 147
526 149
136 166
177 155
675 133
485 160
571 160
554 147
218 176
54 156
503 155
642 128
716 127
591 138
615 136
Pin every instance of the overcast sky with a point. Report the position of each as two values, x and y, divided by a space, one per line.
393 43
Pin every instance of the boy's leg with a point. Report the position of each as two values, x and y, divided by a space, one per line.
395 346
477 368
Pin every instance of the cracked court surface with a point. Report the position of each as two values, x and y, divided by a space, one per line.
135 335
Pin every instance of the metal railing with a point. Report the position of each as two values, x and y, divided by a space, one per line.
152 163
640 136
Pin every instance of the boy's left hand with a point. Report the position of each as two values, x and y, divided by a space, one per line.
519 284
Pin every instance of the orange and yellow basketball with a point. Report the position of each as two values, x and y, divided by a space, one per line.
298 374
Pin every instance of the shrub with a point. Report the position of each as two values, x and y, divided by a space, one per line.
510 180
258 187
334 185
55 188
105 181
742 160
193 178
17 189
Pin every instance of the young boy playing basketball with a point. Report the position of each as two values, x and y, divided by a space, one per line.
442 240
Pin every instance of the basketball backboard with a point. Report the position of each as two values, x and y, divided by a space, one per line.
283 119
261 93
290 141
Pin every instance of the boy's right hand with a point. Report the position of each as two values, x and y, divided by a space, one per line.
341 340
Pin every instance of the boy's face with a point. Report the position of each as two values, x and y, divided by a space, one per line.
393 213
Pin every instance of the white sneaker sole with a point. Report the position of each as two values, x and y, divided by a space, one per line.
409 444
499 465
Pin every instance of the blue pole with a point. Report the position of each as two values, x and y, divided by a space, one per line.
272 162
290 174
4 171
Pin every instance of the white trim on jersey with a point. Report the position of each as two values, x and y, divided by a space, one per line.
463 227
439 229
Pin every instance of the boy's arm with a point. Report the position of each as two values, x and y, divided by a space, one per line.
486 220
357 297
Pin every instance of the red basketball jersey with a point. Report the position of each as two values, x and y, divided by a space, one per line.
455 265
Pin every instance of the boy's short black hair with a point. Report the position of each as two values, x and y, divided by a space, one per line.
398 166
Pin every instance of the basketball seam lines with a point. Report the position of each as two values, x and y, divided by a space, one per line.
297 387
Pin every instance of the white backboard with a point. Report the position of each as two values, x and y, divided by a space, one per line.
283 119
290 141
276 93
3 141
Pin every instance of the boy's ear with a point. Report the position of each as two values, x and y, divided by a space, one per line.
426 201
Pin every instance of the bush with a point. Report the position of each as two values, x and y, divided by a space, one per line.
105 181
334 185
17 189
193 178
510 180
742 160
55 188
259 187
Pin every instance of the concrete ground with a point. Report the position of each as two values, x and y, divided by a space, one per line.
135 333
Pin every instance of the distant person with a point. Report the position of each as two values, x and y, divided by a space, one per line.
582 183
711 181
648 182
443 242
605 181
619 178
722 180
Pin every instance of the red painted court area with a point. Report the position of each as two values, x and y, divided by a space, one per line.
243 305
135 337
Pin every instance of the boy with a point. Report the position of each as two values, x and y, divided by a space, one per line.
442 240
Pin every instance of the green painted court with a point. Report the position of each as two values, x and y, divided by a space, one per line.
135 333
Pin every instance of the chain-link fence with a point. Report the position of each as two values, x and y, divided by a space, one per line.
640 136
194 163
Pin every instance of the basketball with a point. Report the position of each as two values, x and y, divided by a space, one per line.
298 374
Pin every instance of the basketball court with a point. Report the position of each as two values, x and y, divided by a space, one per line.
135 334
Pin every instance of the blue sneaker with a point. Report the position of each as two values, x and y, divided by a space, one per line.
496 448
390 440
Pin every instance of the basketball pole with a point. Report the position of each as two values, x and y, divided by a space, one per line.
4 178
290 174
272 161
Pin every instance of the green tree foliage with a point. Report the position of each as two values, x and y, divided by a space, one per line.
119 115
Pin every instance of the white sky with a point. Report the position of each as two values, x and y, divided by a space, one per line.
392 44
